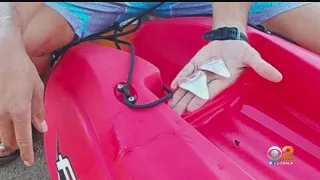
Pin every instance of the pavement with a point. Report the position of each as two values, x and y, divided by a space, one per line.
16 170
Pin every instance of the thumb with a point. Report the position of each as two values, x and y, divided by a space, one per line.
37 109
263 68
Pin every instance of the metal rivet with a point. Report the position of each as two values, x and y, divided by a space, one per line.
131 99
120 87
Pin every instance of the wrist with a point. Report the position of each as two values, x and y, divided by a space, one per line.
13 41
9 31
231 14
240 26
225 33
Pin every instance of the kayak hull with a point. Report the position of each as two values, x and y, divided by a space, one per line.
93 135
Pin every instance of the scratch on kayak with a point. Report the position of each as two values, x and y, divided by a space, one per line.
211 117
125 149
234 102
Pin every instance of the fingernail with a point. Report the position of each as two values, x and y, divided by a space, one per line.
2 148
44 126
27 163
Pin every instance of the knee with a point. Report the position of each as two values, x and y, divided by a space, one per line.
46 32
42 63
37 55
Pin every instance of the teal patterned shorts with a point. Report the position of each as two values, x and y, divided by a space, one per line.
87 18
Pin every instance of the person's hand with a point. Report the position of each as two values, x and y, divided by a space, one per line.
237 56
21 102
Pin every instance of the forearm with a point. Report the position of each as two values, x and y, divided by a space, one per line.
14 20
231 14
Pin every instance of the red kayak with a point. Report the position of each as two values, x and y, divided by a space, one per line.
253 130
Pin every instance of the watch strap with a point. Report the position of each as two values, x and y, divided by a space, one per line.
225 33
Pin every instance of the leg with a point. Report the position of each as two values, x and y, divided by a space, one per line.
301 25
298 21
40 41
60 21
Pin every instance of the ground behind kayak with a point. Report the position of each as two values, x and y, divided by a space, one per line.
17 171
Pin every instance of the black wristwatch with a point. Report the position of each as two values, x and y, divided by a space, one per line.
225 33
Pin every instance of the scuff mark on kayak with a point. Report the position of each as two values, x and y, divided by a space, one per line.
234 102
212 117
237 142
125 149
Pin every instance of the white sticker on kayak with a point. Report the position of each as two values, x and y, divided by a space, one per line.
65 170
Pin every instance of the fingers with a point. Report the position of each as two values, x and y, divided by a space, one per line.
7 134
37 109
201 55
22 126
2 150
190 68
5 150
182 102
182 98
186 71
263 68
177 96
215 88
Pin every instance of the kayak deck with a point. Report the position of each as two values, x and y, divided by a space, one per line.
226 139
252 115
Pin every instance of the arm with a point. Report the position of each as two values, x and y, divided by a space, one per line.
14 20
236 55
231 14
20 86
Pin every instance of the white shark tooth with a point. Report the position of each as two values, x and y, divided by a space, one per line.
216 66
196 84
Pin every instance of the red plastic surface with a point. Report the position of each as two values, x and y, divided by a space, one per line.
104 139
